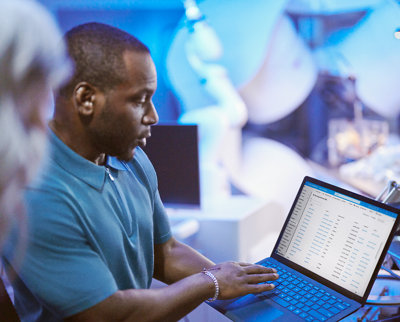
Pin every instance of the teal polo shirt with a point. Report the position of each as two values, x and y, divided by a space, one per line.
92 231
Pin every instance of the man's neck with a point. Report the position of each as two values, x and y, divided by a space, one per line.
77 143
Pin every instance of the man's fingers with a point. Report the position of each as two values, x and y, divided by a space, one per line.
258 288
261 278
258 269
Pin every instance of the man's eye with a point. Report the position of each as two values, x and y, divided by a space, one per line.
138 102
141 100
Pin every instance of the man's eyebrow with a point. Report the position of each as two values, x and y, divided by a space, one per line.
147 91
142 92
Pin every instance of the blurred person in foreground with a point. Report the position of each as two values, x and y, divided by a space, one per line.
99 230
33 62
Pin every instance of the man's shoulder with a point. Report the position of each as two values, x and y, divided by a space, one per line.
51 178
47 194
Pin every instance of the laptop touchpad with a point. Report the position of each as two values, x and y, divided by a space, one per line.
255 312
251 308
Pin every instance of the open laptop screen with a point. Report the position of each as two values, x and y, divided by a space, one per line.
336 236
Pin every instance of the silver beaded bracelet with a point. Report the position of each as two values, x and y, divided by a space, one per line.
211 275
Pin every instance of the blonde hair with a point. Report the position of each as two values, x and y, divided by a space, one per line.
33 61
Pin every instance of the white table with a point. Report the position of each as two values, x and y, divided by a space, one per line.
239 228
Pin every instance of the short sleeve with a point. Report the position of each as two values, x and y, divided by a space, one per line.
59 266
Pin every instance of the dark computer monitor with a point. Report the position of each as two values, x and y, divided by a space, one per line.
173 150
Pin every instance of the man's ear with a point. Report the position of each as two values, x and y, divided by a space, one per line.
84 98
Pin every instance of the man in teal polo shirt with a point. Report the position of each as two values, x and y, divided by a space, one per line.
98 231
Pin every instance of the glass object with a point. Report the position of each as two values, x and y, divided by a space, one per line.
350 140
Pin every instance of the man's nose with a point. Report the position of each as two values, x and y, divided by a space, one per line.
151 116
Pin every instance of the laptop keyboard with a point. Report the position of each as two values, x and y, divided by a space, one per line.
304 299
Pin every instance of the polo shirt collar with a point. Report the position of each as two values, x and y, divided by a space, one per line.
116 164
90 173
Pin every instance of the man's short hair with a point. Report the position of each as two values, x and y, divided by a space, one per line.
97 52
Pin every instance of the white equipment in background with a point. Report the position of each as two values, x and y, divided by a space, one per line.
373 52
263 60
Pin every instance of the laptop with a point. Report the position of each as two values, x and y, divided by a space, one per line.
328 255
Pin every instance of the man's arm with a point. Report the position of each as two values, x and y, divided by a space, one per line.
162 304
176 300
174 260
179 264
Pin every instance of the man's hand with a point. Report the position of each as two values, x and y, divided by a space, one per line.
237 279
